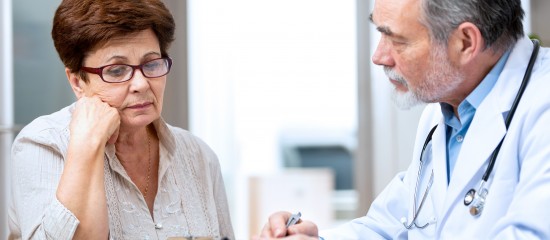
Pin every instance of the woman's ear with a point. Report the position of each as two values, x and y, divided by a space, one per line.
76 83
466 43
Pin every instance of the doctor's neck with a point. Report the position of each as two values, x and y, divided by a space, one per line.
473 72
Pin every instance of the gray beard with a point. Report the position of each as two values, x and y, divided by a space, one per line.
403 100
440 82
406 100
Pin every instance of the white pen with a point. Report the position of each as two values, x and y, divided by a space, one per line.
294 218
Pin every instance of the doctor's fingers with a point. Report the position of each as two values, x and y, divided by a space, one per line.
293 237
303 227
301 237
276 225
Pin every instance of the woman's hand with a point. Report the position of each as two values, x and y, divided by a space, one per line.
276 228
81 188
94 119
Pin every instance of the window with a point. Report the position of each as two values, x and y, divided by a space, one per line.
259 68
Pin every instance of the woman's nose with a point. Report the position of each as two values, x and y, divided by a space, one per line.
139 81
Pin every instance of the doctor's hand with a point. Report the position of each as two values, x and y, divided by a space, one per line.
276 228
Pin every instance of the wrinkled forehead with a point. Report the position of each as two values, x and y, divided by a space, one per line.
126 39
396 9
400 17
137 45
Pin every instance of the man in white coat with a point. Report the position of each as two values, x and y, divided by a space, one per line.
468 59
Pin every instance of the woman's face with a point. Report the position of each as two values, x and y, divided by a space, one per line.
139 100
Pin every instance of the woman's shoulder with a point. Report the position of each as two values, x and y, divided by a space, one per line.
46 126
48 131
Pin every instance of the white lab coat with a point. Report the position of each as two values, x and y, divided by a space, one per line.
518 203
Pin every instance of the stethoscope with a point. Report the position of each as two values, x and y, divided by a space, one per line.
474 199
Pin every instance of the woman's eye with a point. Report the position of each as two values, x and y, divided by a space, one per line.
150 66
116 70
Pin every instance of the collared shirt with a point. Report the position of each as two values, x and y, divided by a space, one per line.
190 201
456 128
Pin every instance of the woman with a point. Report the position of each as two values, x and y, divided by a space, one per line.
108 166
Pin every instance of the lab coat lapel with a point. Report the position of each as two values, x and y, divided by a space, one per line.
485 132
439 154
488 127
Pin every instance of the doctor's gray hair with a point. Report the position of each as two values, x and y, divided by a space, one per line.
499 21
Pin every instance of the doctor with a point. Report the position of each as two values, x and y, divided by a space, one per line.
484 170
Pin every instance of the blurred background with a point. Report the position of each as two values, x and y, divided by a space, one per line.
283 91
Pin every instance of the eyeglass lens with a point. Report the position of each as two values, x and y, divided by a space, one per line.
120 72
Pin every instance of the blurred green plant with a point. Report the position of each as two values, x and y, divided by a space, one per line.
535 36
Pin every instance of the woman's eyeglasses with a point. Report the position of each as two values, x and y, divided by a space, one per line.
117 73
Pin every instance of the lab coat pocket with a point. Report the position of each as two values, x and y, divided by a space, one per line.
500 195
498 200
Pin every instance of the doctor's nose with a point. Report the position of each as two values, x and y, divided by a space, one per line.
382 55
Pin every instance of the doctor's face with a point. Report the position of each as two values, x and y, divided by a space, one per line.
419 70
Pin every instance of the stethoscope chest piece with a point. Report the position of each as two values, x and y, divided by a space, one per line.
476 199
469 197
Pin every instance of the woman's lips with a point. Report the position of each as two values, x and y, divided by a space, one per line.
140 105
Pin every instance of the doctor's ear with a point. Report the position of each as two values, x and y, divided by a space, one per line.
466 43
76 82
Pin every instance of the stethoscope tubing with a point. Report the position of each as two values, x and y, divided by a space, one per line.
521 90
494 155
430 182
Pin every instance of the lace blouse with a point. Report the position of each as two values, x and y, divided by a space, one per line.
191 198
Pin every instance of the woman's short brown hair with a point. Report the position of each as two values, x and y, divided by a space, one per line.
81 25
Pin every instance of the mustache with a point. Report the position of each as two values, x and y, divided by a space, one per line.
392 74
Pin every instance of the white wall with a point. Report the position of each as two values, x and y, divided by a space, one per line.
6 108
259 68
528 20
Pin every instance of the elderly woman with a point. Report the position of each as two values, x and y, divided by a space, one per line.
108 166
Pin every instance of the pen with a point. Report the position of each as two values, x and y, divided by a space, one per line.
294 218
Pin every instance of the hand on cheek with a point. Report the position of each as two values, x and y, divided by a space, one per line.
94 120
113 137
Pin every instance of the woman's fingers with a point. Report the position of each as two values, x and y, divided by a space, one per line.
93 118
114 137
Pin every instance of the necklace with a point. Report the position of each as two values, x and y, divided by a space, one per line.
148 167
